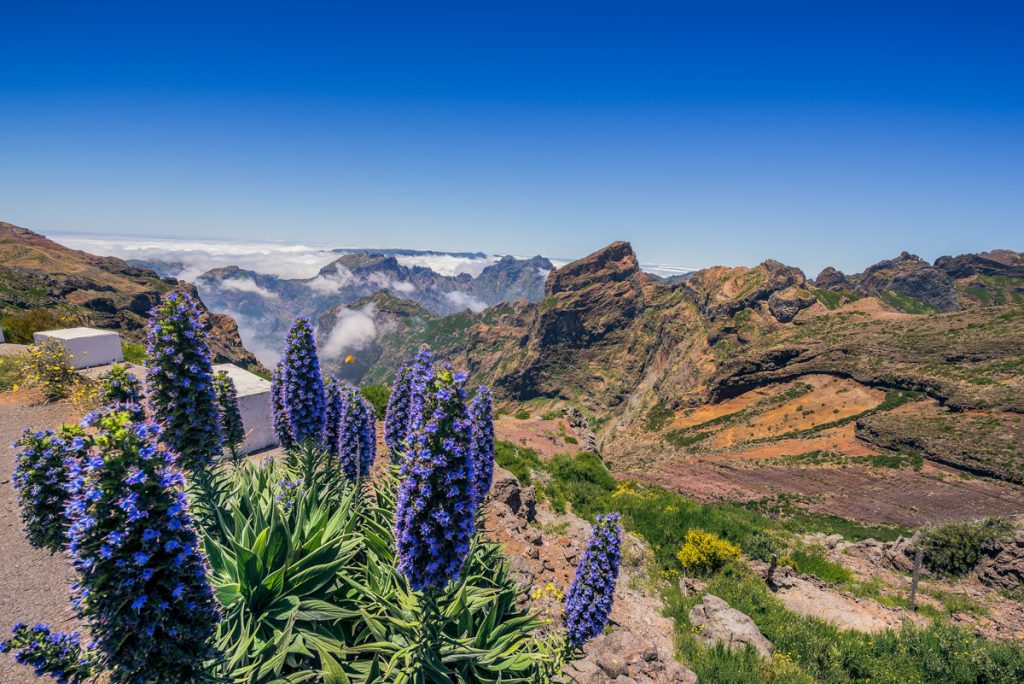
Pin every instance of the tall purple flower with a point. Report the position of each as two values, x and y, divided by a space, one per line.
231 428
482 417
367 438
142 581
41 479
180 380
302 388
593 588
118 386
332 423
350 412
396 419
436 508
279 413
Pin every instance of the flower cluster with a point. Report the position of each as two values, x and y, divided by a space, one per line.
289 491
302 388
180 379
396 419
435 515
279 413
118 386
56 654
367 437
593 588
332 424
350 419
231 429
482 417
41 477
142 585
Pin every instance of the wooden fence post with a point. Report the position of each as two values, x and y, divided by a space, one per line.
918 557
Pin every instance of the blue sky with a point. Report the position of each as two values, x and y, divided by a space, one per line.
814 133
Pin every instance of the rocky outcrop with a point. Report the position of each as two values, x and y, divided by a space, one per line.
624 658
720 293
785 305
1003 567
717 622
894 555
543 552
832 279
910 276
512 279
998 262
580 426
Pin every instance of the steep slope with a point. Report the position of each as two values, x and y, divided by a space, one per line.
37 273
717 365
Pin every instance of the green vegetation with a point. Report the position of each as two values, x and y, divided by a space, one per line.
955 548
808 651
833 299
10 373
522 414
378 396
906 304
134 352
658 417
18 328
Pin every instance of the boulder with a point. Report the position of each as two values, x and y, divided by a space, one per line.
1003 569
622 657
717 622
505 488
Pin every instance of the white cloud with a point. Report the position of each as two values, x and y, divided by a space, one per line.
448 264
198 256
353 331
384 281
246 284
665 270
329 283
461 300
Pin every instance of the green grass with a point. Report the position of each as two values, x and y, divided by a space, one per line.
522 414
134 352
906 304
807 650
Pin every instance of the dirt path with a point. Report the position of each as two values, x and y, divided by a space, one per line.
34 586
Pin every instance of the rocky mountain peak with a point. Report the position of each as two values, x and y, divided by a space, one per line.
832 279
615 263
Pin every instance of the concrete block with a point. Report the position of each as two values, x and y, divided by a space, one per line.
85 347
254 405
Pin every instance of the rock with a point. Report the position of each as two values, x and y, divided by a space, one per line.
1003 568
832 279
719 622
787 304
832 540
579 424
505 488
623 657
911 276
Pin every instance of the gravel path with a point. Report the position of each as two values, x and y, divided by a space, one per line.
34 586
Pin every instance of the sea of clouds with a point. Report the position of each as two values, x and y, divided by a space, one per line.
354 329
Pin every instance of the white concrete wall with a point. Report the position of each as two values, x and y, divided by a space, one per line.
254 405
85 347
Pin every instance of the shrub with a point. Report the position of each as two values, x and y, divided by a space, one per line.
41 479
955 548
46 367
705 552
378 396
522 414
